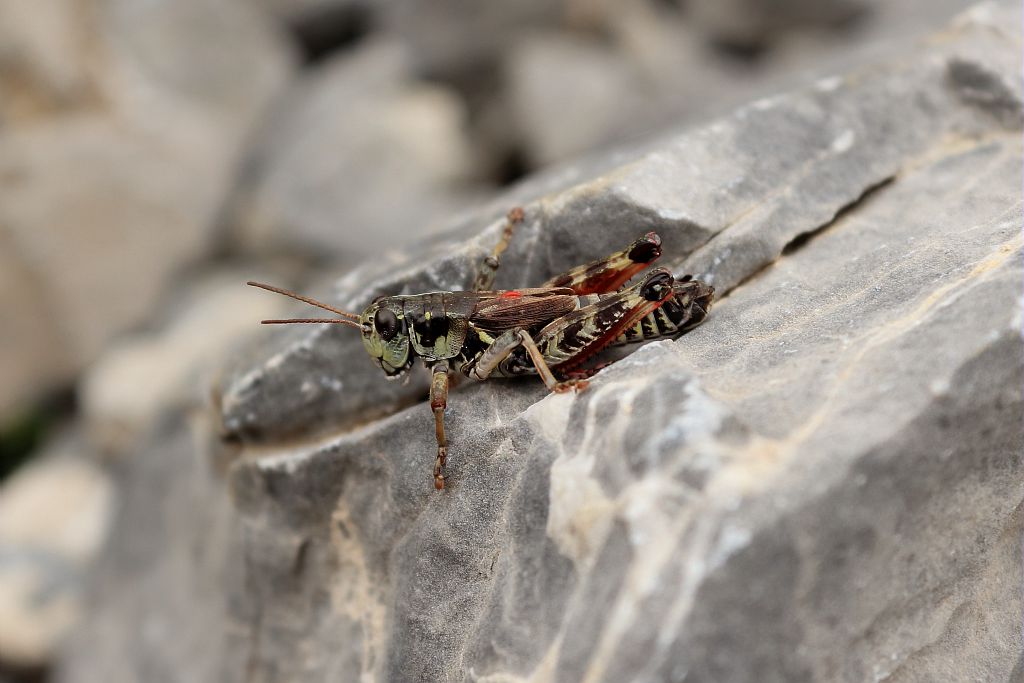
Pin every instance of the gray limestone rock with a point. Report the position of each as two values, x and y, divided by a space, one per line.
823 482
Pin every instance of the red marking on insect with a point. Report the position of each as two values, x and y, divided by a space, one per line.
513 294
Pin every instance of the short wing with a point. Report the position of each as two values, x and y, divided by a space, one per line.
498 311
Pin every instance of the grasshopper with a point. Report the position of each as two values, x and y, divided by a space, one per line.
550 331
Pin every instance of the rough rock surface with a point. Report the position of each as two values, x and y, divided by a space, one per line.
823 482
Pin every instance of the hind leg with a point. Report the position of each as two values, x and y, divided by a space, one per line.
571 340
606 275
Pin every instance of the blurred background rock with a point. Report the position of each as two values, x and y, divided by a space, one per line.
156 154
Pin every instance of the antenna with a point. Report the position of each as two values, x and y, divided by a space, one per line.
312 320
305 299
350 320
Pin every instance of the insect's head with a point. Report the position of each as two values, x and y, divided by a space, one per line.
386 336
382 327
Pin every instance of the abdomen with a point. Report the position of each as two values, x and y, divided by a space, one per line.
686 309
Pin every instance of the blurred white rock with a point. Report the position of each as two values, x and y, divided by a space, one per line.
360 157
54 516
121 126
148 373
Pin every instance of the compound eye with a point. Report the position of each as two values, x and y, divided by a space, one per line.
386 324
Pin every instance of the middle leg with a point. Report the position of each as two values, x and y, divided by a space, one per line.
552 383
503 346
489 268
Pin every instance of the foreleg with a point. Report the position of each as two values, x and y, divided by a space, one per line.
438 403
